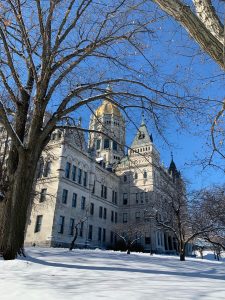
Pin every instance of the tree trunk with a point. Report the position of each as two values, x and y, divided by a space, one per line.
16 204
182 251
182 256
74 239
128 247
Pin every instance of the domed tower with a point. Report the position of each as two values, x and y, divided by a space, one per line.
107 119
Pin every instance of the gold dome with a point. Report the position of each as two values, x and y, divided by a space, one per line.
108 108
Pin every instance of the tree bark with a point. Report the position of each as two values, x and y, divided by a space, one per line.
196 28
128 247
182 251
16 203
182 256
74 239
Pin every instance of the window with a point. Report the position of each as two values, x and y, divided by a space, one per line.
92 209
40 168
136 175
115 217
54 135
111 236
141 135
74 173
93 189
64 196
137 197
115 197
112 216
102 190
38 223
104 235
137 216
105 192
107 122
61 224
106 144
105 213
147 240
74 200
145 175
81 229
142 197
158 238
85 179
98 144
83 200
99 234
71 228
125 198
125 178
90 230
124 217
47 169
43 195
79 176
67 170
114 145
100 211
146 197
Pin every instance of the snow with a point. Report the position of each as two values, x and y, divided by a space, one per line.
53 274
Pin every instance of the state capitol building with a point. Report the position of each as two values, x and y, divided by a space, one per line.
95 186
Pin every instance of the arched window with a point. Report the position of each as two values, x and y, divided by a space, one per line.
115 145
54 136
47 169
106 144
40 168
98 144
125 178
145 175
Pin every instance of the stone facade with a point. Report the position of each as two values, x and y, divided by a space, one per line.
98 186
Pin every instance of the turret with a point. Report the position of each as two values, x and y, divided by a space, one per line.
108 140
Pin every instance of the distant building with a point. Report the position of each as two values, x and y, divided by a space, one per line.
99 184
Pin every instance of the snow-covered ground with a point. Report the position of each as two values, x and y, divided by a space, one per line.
50 274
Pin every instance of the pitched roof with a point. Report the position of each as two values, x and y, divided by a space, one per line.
173 169
142 137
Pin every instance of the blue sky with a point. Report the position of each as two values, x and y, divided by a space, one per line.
180 58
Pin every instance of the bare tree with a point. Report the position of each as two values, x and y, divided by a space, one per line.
81 220
176 219
4 143
58 56
212 209
186 216
130 233
203 21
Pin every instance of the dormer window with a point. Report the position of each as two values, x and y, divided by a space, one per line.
98 144
106 144
141 136
114 145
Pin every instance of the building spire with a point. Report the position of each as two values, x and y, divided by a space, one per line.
142 118
173 168
108 88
